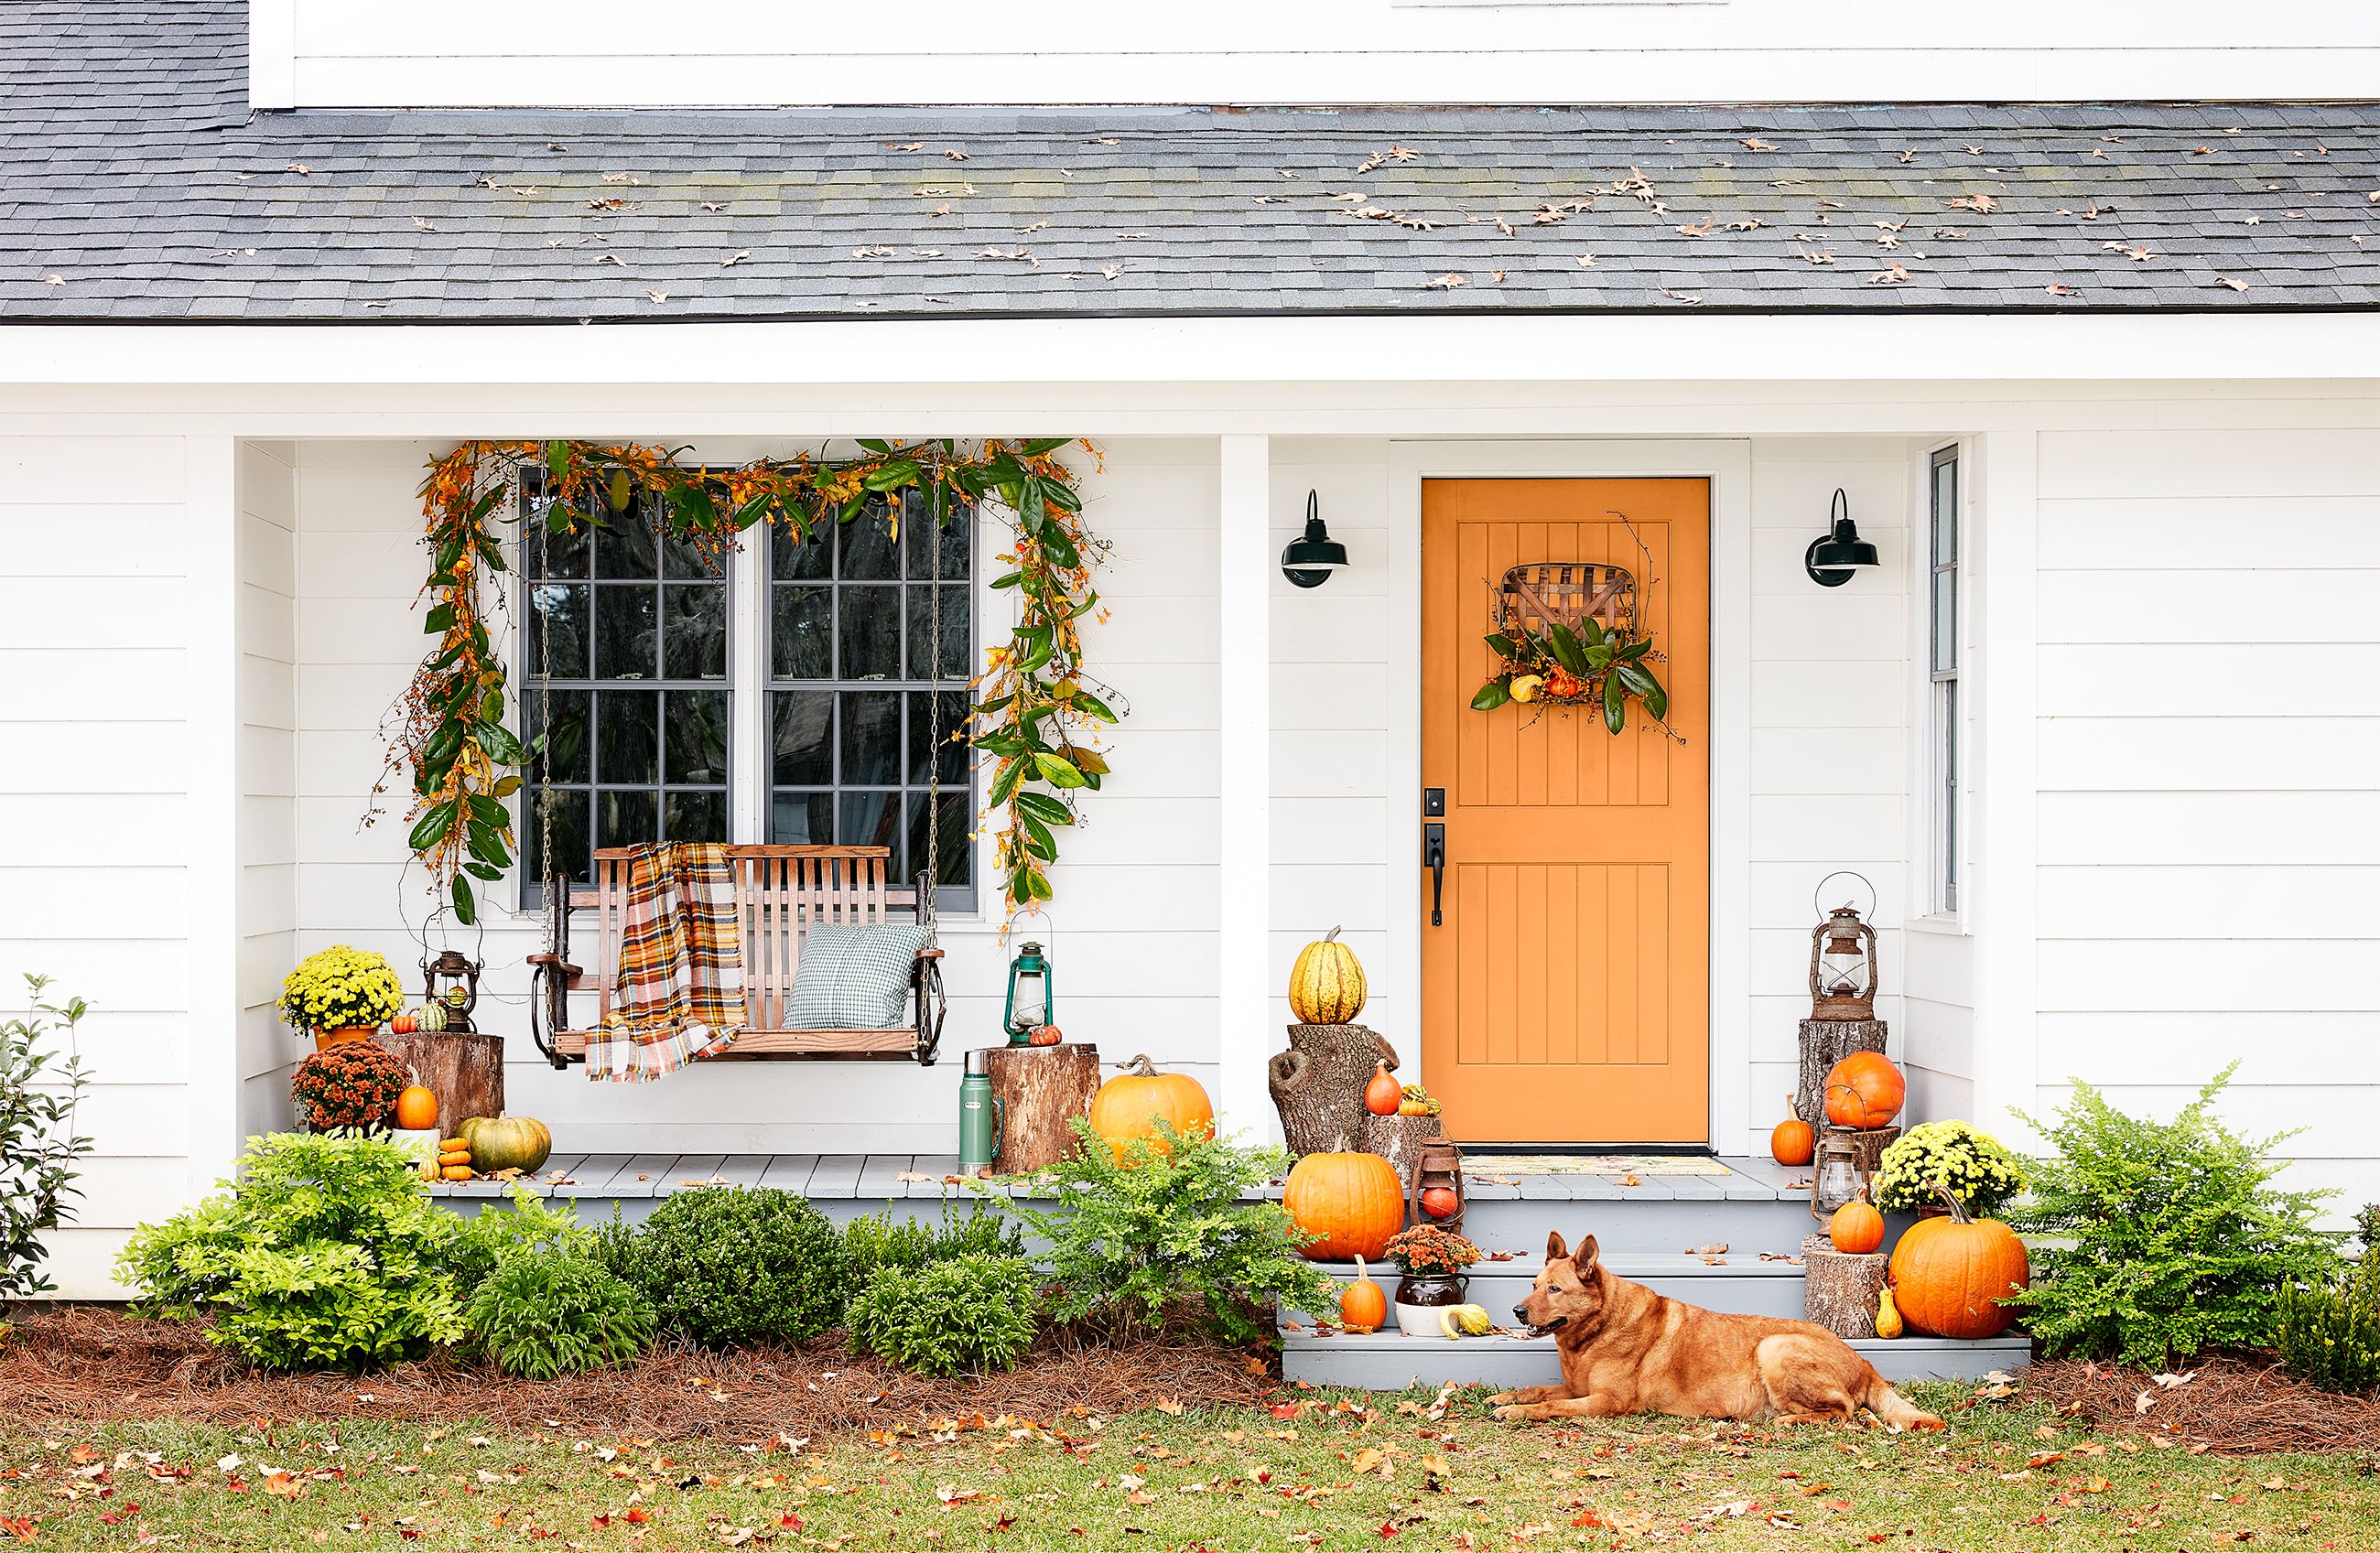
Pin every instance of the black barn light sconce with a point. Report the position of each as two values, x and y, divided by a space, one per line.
1834 555
1308 561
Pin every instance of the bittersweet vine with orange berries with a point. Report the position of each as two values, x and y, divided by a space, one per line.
1036 719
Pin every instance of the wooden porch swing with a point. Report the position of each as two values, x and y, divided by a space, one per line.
781 893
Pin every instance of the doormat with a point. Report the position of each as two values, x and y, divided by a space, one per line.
1593 1164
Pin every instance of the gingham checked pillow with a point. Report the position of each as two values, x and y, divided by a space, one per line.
853 976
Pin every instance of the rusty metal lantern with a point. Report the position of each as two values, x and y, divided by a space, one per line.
1843 971
1836 1177
460 992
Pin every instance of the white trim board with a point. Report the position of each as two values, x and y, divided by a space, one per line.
1728 466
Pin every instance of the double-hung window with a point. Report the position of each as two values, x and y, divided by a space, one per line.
634 665
1942 664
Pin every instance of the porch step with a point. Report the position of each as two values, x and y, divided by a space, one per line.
1738 1284
1391 1361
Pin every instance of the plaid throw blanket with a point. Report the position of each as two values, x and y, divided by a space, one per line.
679 992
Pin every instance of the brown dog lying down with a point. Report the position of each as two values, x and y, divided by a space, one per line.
1625 1349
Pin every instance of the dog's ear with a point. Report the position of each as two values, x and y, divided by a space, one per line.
1586 1251
1555 1249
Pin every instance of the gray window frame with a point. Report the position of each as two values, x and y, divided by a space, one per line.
1943 624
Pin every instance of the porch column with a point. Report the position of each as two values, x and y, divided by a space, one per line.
2007 1035
1243 785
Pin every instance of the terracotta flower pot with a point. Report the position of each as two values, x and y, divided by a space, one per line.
325 1039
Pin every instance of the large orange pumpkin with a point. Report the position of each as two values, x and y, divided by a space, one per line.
1865 1090
417 1109
1352 1204
1130 1105
1792 1141
1948 1274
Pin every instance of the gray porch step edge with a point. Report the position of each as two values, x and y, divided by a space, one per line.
1392 1360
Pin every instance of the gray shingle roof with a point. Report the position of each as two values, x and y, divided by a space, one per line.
136 186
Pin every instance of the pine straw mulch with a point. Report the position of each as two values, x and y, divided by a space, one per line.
90 1365
2232 1404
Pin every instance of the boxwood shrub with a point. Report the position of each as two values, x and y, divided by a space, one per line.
728 1265
969 1314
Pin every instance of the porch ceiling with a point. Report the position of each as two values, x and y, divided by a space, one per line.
141 188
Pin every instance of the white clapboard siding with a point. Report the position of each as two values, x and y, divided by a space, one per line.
2209 832
94 624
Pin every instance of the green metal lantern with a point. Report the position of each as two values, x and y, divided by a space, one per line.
1030 986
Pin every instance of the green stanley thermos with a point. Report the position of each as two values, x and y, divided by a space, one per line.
982 1119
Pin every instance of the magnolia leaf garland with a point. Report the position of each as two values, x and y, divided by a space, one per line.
1593 666
1037 718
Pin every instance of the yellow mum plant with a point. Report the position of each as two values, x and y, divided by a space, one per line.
340 987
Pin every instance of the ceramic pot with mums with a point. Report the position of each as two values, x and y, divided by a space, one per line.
1431 1261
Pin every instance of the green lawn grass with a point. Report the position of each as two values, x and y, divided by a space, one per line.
1325 1471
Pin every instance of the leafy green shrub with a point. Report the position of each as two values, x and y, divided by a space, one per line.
1973 1166
970 1313
1132 1233
2328 1333
2170 1238
543 1313
731 1264
38 1145
528 1227
324 1252
876 1241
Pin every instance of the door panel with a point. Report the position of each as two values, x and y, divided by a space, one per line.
1566 998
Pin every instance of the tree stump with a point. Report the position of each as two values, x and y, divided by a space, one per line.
1825 1042
464 1069
1840 1289
1318 1086
1398 1139
1867 1144
1041 1090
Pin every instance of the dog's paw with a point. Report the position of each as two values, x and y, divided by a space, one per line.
1518 1413
1501 1397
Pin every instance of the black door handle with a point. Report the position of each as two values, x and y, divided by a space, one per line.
1432 857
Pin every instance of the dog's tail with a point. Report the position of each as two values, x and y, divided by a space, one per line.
1895 1410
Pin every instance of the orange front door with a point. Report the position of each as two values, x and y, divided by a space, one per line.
1565 997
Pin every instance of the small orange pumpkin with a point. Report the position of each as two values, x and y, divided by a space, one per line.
1129 1106
417 1109
1384 1093
1363 1304
1351 1204
1864 1091
1856 1228
1792 1141
1949 1275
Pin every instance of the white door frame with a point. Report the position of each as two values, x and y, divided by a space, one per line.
1727 464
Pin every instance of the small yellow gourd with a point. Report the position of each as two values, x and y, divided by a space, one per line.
1888 1315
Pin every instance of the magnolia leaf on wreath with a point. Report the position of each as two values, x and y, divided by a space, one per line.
1604 671
1033 720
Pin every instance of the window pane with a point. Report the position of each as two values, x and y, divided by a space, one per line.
871 737
569 838
864 546
802 632
695 644
680 559
919 532
926 721
557 629
694 815
629 548
951 844
1946 513
805 560
802 722
1945 620
871 633
802 819
954 629
623 818
628 745
555 555
625 636
697 737
566 751
871 819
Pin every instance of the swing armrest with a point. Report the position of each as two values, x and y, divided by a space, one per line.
929 952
